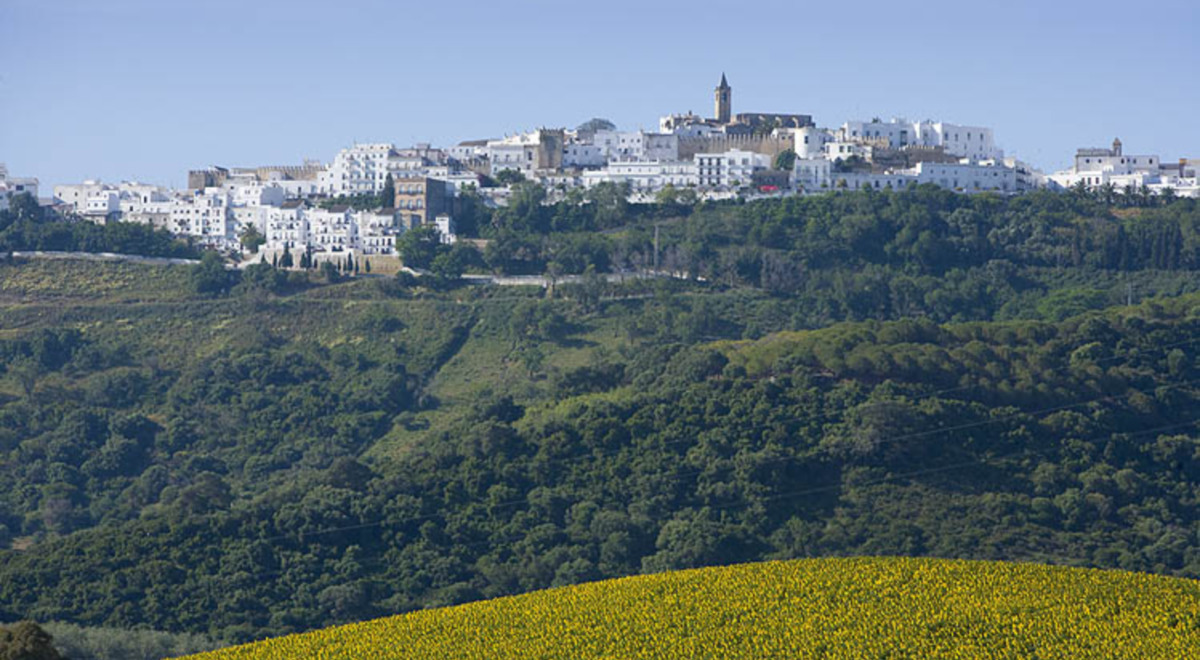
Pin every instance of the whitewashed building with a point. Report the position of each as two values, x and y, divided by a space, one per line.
1094 168
207 216
362 168
331 230
377 231
645 176
731 169
811 141
12 186
968 177
447 232
812 174
636 146
75 195
973 142
287 226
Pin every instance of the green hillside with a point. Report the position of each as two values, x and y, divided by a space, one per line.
857 609
184 451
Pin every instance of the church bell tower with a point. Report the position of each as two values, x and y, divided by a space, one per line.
723 95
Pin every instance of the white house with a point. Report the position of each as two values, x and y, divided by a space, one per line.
967 176
10 186
636 145
973 142
332 230
811 141
254 193
207 216
102 206
812 174
362 168
447 233
377 231
287 226
731 169
645 176
1099 167
76 195
583 155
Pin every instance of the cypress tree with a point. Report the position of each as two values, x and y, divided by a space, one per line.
387 196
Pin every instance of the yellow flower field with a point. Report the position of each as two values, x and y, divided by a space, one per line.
818 608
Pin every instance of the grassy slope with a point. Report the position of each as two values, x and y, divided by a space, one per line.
817 608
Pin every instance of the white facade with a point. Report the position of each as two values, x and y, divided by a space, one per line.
446 230
583 155
206 215
468 151
256 194
812 174
973 142
967 177
360 169
76 195
10 186
1095 168
686 125
102 205
842 149
516 152
377 231
645 176
331 230
286 226
731 169
811 141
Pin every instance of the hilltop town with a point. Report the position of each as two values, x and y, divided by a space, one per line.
371 193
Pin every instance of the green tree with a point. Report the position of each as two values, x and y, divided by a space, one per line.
329 271
387 196
595 124
27 641
453 261
25 208
419 246
251 239
509 177
785 160
211 277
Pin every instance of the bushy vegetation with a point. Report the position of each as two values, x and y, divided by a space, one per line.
821 608
776 244
240 455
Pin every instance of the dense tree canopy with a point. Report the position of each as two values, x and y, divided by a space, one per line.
910 373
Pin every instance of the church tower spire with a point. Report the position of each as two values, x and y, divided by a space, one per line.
723 96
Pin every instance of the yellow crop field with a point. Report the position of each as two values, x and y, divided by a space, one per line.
817 608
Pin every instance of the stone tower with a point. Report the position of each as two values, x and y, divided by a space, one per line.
1116 150
724 101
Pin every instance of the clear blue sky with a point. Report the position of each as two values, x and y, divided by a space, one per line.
145 89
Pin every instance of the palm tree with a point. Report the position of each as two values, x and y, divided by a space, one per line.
1108 193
